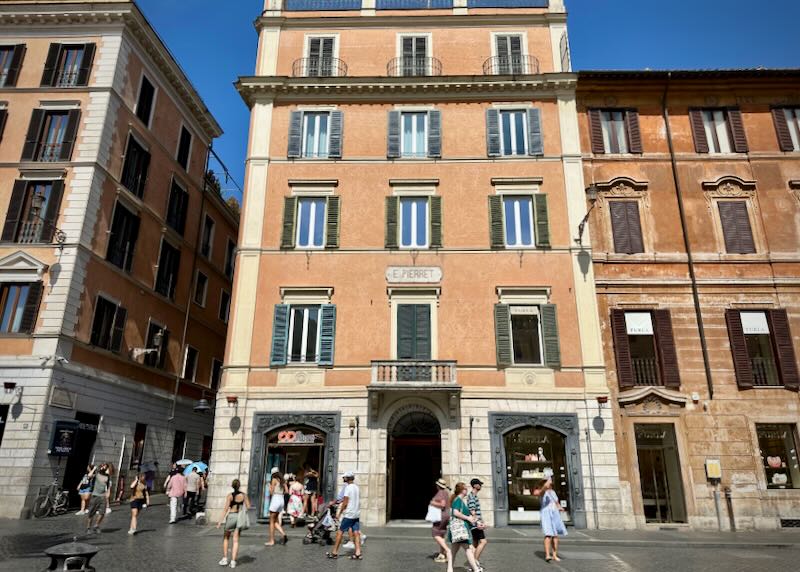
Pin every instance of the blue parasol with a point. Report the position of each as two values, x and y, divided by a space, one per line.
201 468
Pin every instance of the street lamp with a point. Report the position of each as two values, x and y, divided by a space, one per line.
37 204
591 195
158 337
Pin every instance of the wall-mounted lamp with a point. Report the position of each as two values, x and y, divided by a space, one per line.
202 405
602 400
591 196
233 400
352 426
9 386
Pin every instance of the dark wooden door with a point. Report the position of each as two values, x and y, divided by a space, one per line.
415 464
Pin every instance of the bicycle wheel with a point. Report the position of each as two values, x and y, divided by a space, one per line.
42 506
61 503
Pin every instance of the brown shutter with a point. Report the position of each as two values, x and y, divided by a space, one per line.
3 118
784 348
53 208
15 206
622 349
698 131
31 311
70 135
16 65
619 226
634 227
741 359
32 138
49 75
634 133
86 64
667 354
782 129
736 227
737 130
596 130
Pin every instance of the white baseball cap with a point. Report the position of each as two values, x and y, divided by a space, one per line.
349 475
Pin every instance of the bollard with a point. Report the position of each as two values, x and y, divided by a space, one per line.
729 502
70 555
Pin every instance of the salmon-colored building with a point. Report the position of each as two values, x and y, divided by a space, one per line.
115 256
410 301
694 182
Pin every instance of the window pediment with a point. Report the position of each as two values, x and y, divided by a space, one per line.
21 267
730 185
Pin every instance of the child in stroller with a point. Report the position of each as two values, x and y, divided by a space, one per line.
322 531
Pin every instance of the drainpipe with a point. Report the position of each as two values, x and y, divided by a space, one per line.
178 373
690 258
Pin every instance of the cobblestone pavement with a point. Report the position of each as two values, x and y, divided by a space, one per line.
187 547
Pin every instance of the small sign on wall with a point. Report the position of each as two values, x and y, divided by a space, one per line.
713 469
63 439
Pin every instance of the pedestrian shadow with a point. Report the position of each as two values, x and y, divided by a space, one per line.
244 559
144 531
33 545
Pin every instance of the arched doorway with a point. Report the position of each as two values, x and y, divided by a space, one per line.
414 464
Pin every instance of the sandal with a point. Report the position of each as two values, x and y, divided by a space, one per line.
331 555
356 557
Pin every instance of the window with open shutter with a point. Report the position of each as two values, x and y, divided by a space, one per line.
667 353
280 336
287 232
784 348
622 350
135 167
19 307
552 348
502 334
10 64
736 228
596 131
392 212
122 237
787 127
327 335
332 222
738 343
320 57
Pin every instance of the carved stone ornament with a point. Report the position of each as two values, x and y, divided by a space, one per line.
655 401
729 187
622 188
794 188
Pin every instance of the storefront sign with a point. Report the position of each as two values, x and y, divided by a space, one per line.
298 438
754 322
639 323
413 274
62 441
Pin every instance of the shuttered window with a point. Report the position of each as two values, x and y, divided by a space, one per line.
303 334
527 335
10 63
51 136
509 54
736 228
414 332
135 167
644 347
787 127
200 289
320 57
413 222
626 227
184 149
513 135
19 307
414 60
108 325
190 363
514 132
144 104
315 135
169 262
414 134
311 222
177 208
762 349
68 65
615 131
33 211
122 237
519 221
718 130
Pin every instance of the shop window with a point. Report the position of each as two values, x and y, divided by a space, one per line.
660 473
138 445
532 457
778 449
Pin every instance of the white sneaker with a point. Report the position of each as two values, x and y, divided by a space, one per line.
350 545
233 563
223 562
80 512
108 510
132 531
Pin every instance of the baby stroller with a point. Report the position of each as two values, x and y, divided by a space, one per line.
321 532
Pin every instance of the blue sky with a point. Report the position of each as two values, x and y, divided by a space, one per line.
219 44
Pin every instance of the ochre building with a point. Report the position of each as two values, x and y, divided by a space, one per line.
410 300
694 185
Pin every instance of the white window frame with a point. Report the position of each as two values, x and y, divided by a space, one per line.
304 342
205 289
401 221
228 309
417 154
304 134
537 313
518 219
428 45
312 220
793 124
185 362
211 373
723 131
523 42
211 236
517 109
155 98
307 47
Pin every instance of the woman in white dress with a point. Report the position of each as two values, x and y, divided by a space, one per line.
276 505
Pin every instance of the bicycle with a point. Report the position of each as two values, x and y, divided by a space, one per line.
51 501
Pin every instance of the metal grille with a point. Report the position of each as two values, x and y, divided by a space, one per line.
790 523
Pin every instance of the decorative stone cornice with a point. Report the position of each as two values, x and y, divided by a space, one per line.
652 394
355 20
614 185
28 15
443 88
729 182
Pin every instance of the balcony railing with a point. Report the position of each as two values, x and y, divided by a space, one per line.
320 5
645 371
764 372
511 65
67 78
413 4
319 67
422 372
508 3
30 232
413 67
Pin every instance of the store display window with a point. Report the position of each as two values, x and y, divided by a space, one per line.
778 446
290 450
532 456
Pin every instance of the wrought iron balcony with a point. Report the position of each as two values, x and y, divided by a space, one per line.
413 67
764 372
67 78
317 5
413 4
30 232
645 371
436 372
319 67
511 65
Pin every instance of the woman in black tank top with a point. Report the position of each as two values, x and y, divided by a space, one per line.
233 505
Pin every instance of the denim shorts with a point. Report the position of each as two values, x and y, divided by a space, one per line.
350 524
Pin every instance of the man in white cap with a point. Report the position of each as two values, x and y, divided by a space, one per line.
349 515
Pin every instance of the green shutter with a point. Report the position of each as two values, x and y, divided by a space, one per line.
392 205
287 236
422 331
502 334
496 221
436 222
332 222
280 335
542 221
552 351
327 334
406 328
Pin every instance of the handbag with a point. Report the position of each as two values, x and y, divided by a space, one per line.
458 530
774 462
243 519
434 514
